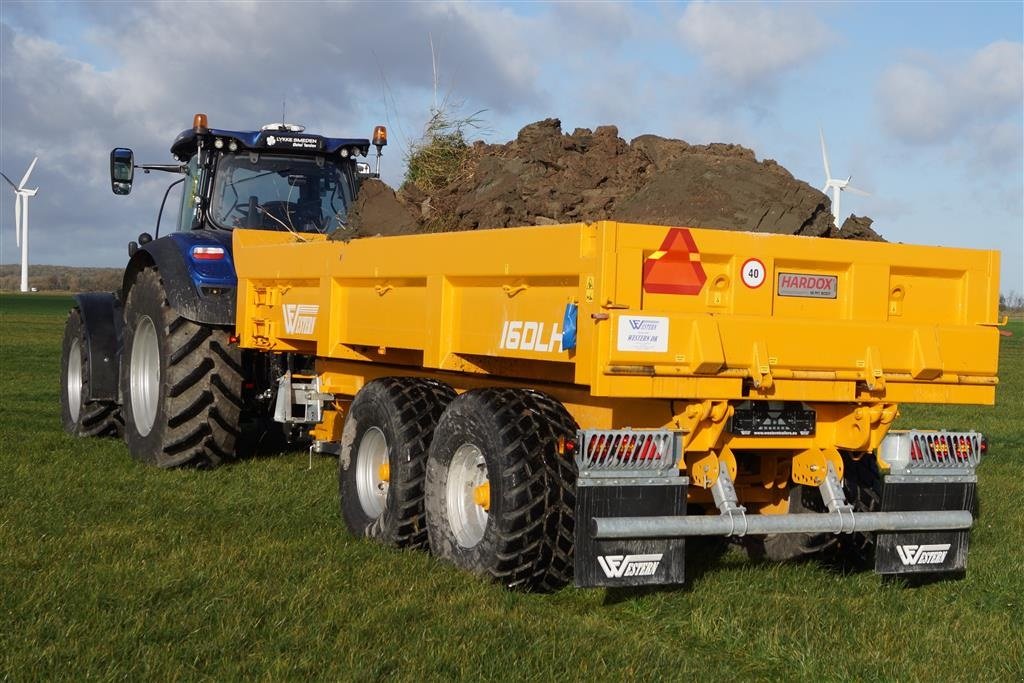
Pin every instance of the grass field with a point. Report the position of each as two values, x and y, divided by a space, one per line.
109 569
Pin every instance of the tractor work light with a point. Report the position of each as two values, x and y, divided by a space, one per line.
233 146
344 152
218 143
202 253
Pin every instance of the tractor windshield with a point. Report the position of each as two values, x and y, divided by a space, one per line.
294 193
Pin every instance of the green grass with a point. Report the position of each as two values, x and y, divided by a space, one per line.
109 569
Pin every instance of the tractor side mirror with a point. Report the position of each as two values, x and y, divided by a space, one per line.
122 170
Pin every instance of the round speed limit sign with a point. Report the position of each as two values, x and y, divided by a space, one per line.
753 273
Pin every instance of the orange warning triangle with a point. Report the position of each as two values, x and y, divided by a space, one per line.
675 268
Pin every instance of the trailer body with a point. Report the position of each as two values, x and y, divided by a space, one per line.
749 366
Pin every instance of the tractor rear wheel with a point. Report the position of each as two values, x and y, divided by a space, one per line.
500 499
181 383
387 432
80 415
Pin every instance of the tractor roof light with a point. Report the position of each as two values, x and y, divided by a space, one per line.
199 123
380 136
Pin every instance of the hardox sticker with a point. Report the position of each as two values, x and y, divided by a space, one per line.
808 285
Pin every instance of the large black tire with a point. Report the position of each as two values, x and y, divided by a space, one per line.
80 415
785 547
181 383
525 537
862 484
391 421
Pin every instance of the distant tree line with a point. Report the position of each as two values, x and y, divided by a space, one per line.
61 278
1011 303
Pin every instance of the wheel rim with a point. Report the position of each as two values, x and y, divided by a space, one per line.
466 473
145 375
74 380
371 460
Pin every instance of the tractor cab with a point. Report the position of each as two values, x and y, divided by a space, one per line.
276 178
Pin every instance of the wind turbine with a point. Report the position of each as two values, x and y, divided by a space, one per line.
21 195
837 186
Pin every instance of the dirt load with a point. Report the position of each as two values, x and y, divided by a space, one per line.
545 176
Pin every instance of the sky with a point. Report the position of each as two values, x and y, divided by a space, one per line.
921 103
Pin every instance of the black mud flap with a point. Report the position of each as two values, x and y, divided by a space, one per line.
621 562
924 552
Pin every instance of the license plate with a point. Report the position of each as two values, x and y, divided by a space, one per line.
772 418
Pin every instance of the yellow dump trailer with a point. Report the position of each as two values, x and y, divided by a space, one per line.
538 403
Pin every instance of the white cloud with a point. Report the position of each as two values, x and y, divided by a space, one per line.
977 101
751 44
159 65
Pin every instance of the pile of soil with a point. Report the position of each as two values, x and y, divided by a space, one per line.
545 177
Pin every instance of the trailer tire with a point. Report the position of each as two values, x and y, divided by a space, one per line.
862 484
391 421
785 547
80 415
506 439
181 383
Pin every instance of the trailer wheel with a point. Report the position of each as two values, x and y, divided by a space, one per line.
785 547
181 383
862 483
81 416
384 451
500 499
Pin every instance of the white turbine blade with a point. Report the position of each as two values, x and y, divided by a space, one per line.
856 190
824 155
24 178
9 181
17 219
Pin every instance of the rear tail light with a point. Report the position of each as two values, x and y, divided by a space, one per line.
626 449
920 449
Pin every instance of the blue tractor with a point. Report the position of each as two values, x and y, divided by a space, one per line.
156 361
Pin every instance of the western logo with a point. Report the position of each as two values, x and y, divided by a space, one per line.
620 566
300 318
913 555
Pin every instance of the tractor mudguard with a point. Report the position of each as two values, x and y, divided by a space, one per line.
199 289
103 322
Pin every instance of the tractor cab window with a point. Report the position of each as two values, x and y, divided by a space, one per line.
265 192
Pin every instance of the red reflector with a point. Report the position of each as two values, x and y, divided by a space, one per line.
232 339
675 268
208 253
983 446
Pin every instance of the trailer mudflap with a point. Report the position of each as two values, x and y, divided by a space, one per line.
628 562
924 552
